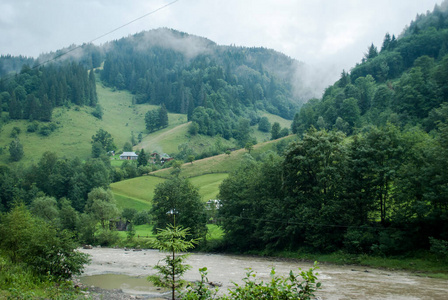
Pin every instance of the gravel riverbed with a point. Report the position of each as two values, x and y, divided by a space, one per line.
338 282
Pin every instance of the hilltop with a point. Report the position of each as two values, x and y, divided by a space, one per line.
219 89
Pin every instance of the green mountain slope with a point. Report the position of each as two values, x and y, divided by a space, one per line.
75 126
207 174
403 82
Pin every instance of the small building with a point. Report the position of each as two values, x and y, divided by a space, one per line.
128 156
164 158
154 157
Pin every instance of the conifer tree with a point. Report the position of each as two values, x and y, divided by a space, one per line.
163 116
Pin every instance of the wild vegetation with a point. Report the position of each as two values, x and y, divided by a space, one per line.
364 176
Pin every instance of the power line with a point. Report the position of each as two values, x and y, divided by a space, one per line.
144 16
103 35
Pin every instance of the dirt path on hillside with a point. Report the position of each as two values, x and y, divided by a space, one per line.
156 140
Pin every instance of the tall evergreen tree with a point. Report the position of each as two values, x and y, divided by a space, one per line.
16 150
163 116
142 159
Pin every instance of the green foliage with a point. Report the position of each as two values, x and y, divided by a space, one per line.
98 112
33 127
200 290
104 141
173 240
369 193
39 245
141 217
142 159
275 131
45 208
249 147
101 204
106 237
15 132
156 119
127 147
128 213
34 92
227 80
294 286
178 198
439 247
264 124
16 150
403 83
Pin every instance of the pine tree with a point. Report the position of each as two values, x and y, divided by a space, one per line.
163 116
16 150
142 159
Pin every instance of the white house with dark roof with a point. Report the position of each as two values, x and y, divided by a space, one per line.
128 156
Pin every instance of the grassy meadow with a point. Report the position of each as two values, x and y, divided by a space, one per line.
138 192
76 126
223 163
266 136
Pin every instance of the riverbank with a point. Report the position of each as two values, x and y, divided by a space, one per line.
338 282
421 263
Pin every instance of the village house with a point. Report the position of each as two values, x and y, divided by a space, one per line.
128 156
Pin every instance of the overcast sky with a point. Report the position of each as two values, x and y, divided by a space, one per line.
330 35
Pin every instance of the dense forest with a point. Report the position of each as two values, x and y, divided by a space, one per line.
369 173
194 76
32 93
402 83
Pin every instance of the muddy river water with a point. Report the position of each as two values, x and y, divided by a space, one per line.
117 268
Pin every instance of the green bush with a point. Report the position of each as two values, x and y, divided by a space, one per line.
141 217
106 237
439 248
15 132
359 240
37 244
301 286
33 127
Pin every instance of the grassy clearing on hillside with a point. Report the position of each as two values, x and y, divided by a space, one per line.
129 202
274 118
138 192
266 136
223 163
165 140
141 188
168 140
209 185
76 126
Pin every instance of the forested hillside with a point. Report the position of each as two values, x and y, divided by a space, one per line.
403 82
215 85
34 92
369 173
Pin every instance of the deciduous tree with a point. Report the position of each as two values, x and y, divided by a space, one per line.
178 198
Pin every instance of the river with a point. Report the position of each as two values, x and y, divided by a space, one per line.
338 282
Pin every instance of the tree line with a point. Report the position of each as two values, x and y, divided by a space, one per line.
34 92
381 191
